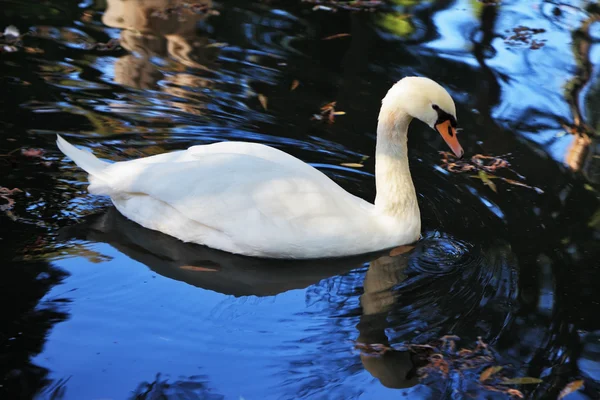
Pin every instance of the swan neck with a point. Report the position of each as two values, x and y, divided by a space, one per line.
395 189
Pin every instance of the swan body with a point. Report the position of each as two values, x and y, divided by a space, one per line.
256 200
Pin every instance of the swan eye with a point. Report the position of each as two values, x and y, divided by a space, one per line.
444 116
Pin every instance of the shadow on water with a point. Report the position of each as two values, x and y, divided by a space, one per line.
93 298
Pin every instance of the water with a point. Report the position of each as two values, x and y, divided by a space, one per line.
96 307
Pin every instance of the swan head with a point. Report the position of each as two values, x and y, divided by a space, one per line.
428 101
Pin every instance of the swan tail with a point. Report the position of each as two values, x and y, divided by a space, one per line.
84 159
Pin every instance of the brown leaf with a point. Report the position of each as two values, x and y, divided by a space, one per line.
526 380
5 194
295 84
263 100
329 106
8 192
336 36
515 393
570 388
33 50
197 269
36 153
485 375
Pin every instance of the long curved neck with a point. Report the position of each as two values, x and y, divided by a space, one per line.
395 190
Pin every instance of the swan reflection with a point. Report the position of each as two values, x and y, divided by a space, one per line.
236 275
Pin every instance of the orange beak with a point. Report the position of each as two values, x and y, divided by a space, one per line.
448 132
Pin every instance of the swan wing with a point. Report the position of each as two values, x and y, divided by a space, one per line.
246 199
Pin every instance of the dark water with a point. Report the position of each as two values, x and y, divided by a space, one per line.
96 307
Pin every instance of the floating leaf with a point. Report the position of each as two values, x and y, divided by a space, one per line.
337 36
329 106
218 45
352 165
515 393
197 269
8 192
5 194
595 220
570 388
526 380
35 153
295 84
328 113
485 375
33 50
485 178
263 100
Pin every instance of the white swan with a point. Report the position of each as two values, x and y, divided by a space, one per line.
255 200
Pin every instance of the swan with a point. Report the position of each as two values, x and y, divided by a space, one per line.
255 200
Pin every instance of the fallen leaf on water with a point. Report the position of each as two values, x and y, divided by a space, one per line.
570 388
295 84
87 16
216 44
33 50
263 100
197 269
484 165
8 192
336 36
527 380
328 113
352 165
595 220
488 372
5 194
485 178
36 153
515 393
329 106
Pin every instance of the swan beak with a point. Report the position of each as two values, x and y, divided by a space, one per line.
448 132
